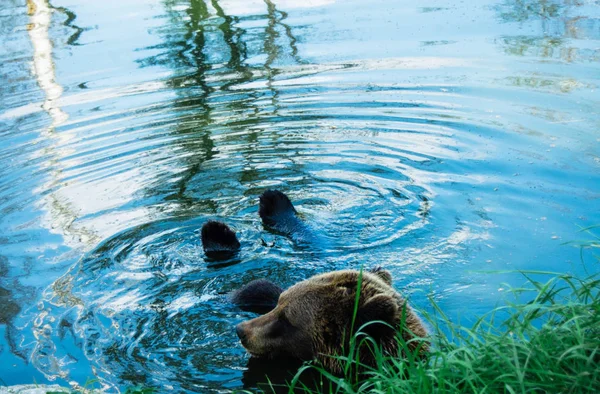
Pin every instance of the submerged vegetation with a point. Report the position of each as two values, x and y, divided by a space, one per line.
548 343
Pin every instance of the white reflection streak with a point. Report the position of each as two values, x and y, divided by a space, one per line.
62 212
44 356
43 66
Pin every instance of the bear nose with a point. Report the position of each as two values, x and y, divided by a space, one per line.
240 332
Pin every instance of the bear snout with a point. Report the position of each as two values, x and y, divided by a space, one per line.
254 337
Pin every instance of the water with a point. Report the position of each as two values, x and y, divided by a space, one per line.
437 140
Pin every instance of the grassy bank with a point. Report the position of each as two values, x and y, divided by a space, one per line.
550 344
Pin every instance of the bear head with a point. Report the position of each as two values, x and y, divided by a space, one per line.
316 318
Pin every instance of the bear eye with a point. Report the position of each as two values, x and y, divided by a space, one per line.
284 319
279 327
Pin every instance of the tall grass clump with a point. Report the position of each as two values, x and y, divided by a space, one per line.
548 344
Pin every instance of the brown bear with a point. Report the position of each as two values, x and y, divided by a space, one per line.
315 319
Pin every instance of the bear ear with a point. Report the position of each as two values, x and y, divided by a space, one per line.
259 296
382 308
383 274
344 291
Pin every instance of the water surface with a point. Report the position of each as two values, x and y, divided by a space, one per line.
437 140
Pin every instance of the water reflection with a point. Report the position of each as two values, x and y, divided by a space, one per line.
171 304
209 56
73 31
43 64
561 24
520 11
9 308
403 147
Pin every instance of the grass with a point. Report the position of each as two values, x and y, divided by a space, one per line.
550 344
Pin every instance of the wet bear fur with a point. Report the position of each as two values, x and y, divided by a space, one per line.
278 213
258 296
314 320
218 240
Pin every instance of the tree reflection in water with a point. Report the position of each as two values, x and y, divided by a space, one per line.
559 23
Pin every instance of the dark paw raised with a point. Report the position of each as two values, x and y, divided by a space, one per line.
275 206
218 240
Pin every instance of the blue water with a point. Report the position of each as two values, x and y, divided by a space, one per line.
438 140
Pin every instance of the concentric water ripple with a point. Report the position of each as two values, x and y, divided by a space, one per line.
361 166
433 153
